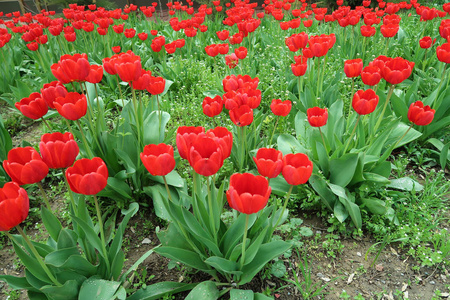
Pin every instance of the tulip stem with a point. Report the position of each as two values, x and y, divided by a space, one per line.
36 254
318 77
284 207
47 124
72 201
88 149
44 196
351 135
323 141
211 212
244 240
391 89
273 131
102 233
120 91
167 188
388 152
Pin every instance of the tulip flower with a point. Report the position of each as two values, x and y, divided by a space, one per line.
71 107
241 52
248 193
71 68
158 159
185 137
419 114
87 176
225 139
205 155
212 106
33 106
269 162
297 168
365 102
371 75
53 90
241 116
280 108
25 166
353 67
397 70
426 42
95 74
14 206
443 53
128 66
58 150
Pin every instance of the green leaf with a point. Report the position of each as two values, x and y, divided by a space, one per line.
353 211
157 290
343 169
91 235
17 283
117 242
154 133
206 290
186 257
51 223
289 144
259 296
253 248
340 212
236 294
235 233
223 265
95 288
375 206
376 178
66 239
136 264
320 186
338 190
59 257
80 265
266 253
405 184
31 264
69 291
278 269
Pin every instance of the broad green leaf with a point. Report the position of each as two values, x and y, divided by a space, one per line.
343 169
158 290
376 178
95 288
320 186
17 283
375 206
187 257
234 233
69 291
289 144
51 223
207 290
236 294
353 211
223 265
405 184
59 257
266 253
340 212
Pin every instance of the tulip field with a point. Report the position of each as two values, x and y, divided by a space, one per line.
226 149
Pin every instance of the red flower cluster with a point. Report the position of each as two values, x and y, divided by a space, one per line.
318 45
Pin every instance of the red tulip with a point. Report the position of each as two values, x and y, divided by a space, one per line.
33 107
129 33
205 155
397 70
33 46
143 36
25 166
116 49
223 35
353 67
317 117
426 42
248 193
280 108
365 102
368 31
71 68
95 74
389 30
212 106
87 176
231 60
371 75
241 116
143 81
443 53
14 206
212 50
71 107
297 168
225 139
241 52
58 150
269 162
158 159
185 137
419 114
128 66
53 90
156 85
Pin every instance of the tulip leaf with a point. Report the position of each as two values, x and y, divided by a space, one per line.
67 239
353 211
223 265
5 141
51 223
237 294
158 290
266 253
207 290
18 283
375 206
98 289
279 186
405 184
343 169
253 247
59 257
117 264
369 176
186 257
289 144
235 233
320 186
340 212
91 235
31 264
155 125
69 290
